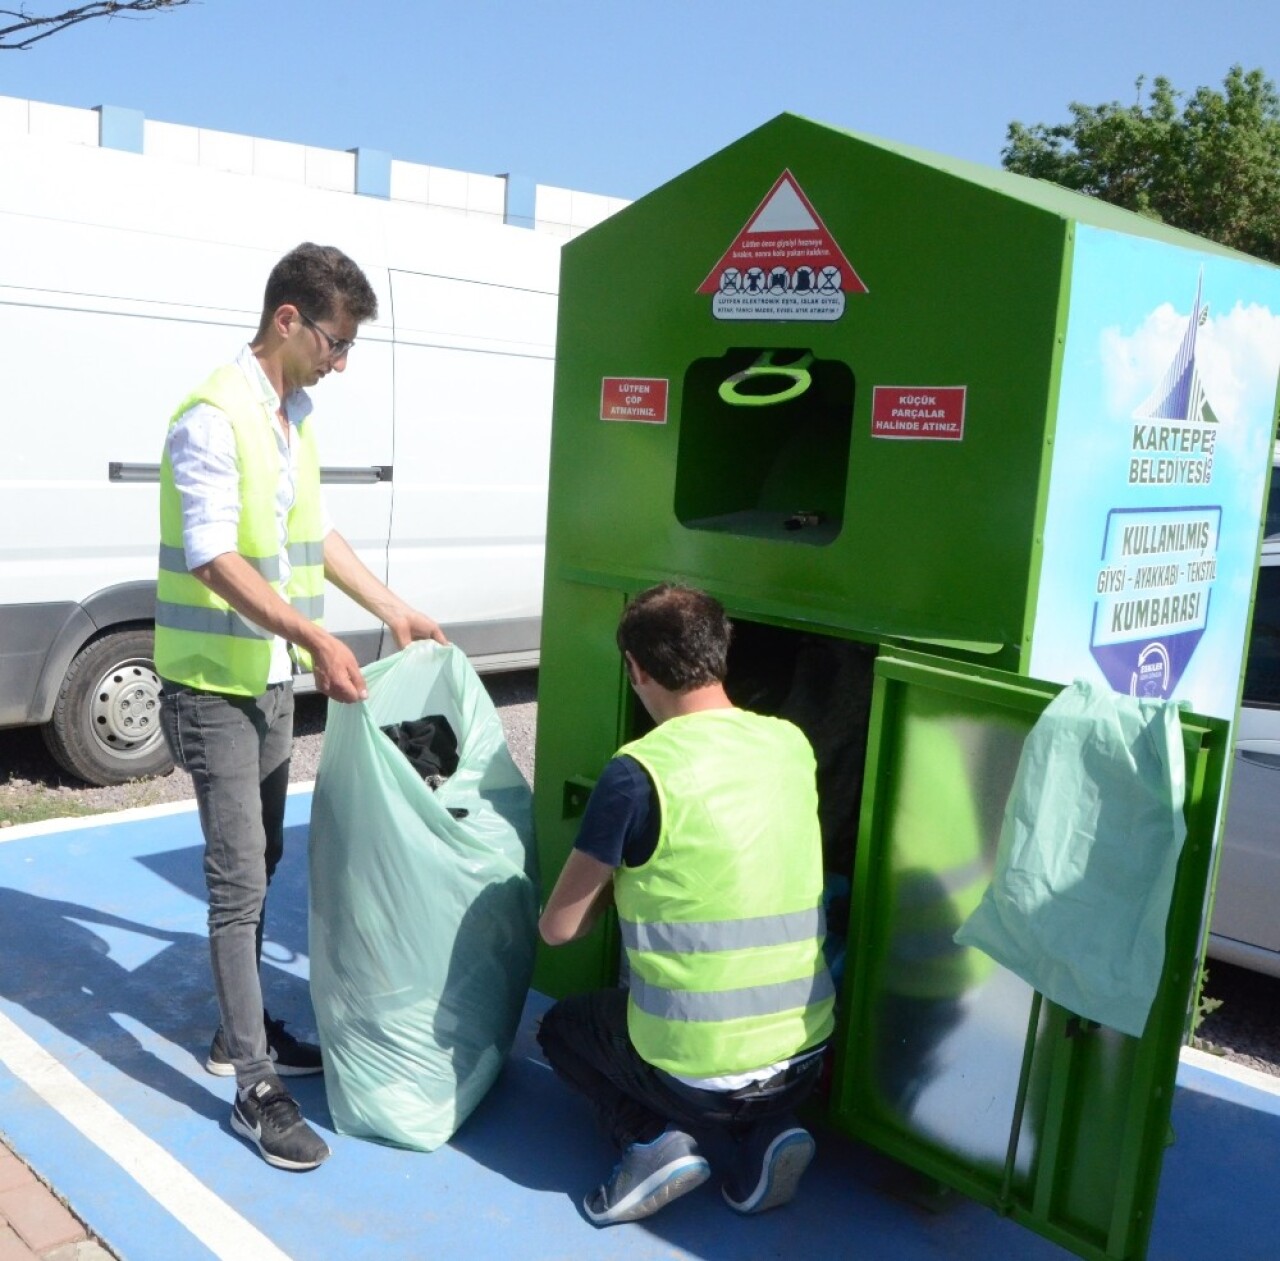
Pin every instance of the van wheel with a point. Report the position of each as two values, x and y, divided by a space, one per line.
105 727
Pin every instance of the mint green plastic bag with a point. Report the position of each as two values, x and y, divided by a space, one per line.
1089 846
422 925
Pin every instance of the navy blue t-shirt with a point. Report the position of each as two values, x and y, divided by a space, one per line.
623 818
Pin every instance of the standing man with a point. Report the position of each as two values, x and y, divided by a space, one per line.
245 548
706 833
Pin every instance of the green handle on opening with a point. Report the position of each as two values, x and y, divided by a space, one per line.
797 373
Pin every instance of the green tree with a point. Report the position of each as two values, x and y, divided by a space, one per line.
21 28
1212 167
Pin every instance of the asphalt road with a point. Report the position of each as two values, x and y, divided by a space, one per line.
1245 1027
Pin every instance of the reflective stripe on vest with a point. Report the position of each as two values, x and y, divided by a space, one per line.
200 640
304 554
174 560
185 617
755 1000
733 934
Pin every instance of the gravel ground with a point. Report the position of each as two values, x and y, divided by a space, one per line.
27 771
1245 1029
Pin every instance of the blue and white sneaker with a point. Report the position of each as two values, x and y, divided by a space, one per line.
767 1170
649 1176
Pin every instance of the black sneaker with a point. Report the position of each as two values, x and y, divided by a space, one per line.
268 1116
289 1056
767 1167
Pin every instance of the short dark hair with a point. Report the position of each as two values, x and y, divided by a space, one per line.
321 281
678 635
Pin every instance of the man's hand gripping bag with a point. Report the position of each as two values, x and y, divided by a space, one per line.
422 925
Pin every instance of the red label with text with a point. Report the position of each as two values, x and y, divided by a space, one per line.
642 399
918 411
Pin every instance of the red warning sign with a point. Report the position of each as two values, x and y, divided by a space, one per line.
918 411
784 265
642 399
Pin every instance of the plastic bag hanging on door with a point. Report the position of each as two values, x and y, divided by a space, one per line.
1088 853
422 923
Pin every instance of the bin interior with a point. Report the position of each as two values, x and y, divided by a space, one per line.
822 683
764 445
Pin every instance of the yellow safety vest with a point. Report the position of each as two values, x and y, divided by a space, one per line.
723 926
200 640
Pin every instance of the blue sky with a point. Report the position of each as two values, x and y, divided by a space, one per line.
617 96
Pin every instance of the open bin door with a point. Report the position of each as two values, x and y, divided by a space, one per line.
948 1062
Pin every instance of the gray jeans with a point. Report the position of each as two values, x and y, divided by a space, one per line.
236 750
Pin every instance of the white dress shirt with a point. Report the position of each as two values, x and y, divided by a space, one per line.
202 451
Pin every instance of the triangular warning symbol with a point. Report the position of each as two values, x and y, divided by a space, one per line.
784 235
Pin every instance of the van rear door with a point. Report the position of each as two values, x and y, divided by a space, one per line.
473 381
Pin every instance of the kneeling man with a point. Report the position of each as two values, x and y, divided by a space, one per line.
705 832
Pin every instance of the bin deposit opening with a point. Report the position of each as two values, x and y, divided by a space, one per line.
764 445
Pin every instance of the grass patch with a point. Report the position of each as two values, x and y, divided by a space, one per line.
1205 1007
37 806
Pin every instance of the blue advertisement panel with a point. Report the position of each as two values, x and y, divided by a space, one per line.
1162 446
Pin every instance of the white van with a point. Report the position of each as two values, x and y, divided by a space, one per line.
1245 929
124 280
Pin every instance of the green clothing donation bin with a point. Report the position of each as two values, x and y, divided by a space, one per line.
942 440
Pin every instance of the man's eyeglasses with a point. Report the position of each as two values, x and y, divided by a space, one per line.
338 346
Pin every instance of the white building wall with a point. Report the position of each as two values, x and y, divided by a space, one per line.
62 122
560 212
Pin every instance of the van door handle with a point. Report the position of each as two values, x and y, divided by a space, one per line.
123 471
367 476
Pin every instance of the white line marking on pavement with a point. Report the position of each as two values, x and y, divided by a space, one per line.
170 1183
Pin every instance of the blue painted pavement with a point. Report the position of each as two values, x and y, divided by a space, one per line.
105 1017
